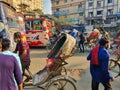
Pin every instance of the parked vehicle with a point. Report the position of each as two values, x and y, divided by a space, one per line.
8 22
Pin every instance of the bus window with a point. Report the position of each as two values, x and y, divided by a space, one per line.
11 17
37 25
27 25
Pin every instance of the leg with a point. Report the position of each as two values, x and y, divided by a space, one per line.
80 47
107 86
95 85
25 66
83 47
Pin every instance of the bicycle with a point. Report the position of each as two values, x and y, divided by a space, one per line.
114 65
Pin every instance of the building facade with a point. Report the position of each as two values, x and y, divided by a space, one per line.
102 13
29 5
71 10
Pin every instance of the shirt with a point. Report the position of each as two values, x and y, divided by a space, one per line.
8 69
17 58
15 55
100 72
21 46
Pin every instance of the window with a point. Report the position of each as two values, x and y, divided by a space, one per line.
99 12
57 9
109 1
80 5
90 4
90 14
37 25
99 4
65 1
27 25
90 0
110 11
57 2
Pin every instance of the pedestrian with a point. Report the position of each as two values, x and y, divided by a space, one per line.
99 61
24 54
9 71
81 42
6 51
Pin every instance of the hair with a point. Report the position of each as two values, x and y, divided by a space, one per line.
103 41
18 35
5 44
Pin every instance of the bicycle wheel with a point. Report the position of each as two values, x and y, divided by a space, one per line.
114 68
61 84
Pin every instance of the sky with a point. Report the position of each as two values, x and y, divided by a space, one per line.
47 6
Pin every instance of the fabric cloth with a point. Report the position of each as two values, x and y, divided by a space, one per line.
9 69
94 59
100 72
21 46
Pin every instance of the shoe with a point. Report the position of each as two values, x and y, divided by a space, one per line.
27 79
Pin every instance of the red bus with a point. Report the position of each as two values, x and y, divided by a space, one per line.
37 31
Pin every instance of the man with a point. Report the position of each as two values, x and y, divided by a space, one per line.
81 42
99 60
24 53
5 50
9 71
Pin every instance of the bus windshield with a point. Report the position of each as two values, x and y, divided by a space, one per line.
33 25
11 17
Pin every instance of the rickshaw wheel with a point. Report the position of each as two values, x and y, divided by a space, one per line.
61 84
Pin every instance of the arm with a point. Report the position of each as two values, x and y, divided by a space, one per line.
20 86
19 62
23 54
105 63
17 74
16 49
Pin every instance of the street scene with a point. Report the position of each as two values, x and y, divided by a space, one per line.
59 44
77 67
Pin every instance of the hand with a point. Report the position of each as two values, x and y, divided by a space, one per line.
112 79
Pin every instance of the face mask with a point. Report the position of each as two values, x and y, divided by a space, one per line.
107 46
15 41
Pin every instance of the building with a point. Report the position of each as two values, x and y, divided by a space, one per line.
26 5
71 10
102 13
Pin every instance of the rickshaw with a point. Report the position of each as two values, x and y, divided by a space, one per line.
92 39
54 75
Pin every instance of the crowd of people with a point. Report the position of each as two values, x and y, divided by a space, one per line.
13 65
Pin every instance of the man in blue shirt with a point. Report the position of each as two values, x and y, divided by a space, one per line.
99 61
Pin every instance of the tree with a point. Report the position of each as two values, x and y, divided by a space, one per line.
38 11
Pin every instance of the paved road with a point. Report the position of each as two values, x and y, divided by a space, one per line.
77 68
